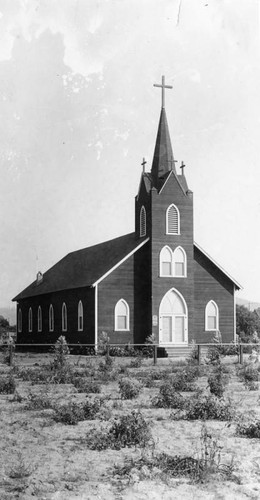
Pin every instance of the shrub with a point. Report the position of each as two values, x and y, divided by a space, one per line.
72 413
136 363
181 381
168 397
128 430
217 380
61 351
38 402
87 386
7 385
249 429
206 407
248 373
129 388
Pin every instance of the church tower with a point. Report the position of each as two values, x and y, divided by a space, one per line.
164 213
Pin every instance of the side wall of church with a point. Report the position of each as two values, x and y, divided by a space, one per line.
211 284
71 298
117 285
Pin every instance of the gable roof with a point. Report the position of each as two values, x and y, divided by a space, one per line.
84 267
237 285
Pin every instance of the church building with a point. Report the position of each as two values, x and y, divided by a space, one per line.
154 280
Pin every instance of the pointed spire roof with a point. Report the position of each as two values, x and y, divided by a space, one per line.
163 160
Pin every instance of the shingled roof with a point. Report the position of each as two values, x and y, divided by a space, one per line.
84 267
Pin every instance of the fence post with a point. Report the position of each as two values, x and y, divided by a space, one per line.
108 348
199 354
155 354
241 354
10 354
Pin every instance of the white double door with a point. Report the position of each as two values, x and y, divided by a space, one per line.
173 319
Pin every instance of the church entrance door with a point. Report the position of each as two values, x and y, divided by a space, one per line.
173 322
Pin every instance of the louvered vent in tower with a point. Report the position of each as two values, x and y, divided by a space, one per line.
172 220
142 221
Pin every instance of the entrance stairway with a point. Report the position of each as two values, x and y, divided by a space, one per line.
182 351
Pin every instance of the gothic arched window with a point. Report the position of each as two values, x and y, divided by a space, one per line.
172 220
179 263
39 319
20 321
64 317
166 260
122 315
30 323
80 316
211 316
142 221
51 318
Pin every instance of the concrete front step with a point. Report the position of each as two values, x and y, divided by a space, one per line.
182 351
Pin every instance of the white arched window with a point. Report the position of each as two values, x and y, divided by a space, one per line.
39 319
51 318
80 316
30 320
211 316
142 221
166 260
122 315
172 220
64 317
20 321
179 263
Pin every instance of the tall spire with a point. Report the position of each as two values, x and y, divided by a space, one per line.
163 160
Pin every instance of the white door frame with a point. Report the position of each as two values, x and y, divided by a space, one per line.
173 316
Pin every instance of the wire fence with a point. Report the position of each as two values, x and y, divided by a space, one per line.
196 351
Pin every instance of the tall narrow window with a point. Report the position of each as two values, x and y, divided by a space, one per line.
20 321
122 315
142 221
51 318
64 317
172 220
30 320
166 262
179 259
211 316
80 316
39 319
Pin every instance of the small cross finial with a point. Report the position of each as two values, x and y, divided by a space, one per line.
143 164
163 87
182 167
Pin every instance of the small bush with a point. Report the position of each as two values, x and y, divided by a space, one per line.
87 386
7 385
128 430
181 381
168 398
38 402
249 429
72 413
129 388
61 351
136 363
248 373
217 380
206 408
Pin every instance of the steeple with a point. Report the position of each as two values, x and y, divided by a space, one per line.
163 160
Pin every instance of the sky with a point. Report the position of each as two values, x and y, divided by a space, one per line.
79 112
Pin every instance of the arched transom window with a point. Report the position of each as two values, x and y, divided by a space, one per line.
122 315
39 319
142 221
64 317
51 318
20 320
80 316
211 316
30 320
172 220
173 264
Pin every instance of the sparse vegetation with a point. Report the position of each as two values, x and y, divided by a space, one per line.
7 384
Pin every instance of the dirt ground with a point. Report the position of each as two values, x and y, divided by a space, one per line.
43 459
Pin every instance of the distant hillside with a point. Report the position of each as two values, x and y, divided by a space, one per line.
9 313
247 303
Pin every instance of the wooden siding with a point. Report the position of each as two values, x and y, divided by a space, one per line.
71 299
172 193
212 284
116 286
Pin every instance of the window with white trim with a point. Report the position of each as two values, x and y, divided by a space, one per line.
20 321
51 318
39 319
179 263
142 221
30 320
80 316
64 317
172 220
122 315
211 316
166 259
